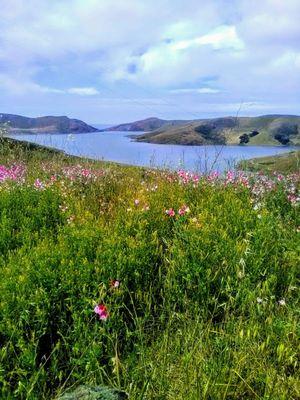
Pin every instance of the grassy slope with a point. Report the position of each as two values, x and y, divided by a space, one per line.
185 134
285 163
196 315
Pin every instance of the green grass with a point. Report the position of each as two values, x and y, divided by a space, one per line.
196 315
286 163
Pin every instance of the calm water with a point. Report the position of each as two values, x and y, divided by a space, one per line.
117 146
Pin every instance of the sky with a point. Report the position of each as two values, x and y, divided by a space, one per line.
113 61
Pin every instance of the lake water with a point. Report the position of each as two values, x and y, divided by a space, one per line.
118 147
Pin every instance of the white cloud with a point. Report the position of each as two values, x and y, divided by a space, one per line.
250 49
83 91
223 37
204 90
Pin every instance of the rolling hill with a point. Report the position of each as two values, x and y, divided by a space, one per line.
148 124
262 130
49 124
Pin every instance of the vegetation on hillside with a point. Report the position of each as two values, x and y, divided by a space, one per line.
263 130
167 285
287 163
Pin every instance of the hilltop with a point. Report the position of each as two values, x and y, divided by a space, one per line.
261 130
148 124
48 124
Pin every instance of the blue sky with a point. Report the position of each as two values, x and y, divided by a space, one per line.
111 61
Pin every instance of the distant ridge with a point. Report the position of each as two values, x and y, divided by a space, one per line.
48 124
144 125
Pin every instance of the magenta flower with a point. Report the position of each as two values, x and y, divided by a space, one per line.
101 311
170 212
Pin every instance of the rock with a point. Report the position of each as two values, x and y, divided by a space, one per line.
86 392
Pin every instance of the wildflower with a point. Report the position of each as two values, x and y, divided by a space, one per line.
70 219
293 199
101 311
184 210
38 184
114 283
136 202
259 300
257 206
170 212
146 208
282 302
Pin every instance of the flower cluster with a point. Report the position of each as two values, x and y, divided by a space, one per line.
77 172
101 311
182 211
14 173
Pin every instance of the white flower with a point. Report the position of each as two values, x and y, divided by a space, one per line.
282 302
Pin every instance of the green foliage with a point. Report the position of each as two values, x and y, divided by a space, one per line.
207 302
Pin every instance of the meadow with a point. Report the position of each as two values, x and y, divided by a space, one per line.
167 285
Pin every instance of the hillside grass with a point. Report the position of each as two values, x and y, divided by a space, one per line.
286 163
207 305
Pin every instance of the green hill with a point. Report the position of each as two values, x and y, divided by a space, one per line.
148 124
263 130
285 163
17 124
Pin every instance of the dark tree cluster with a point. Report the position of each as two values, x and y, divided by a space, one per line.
210 133
244 138
205 129
283 132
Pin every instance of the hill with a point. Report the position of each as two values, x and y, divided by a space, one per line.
146 125
48 124
284 163
262 130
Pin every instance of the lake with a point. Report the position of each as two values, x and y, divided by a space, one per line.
118 147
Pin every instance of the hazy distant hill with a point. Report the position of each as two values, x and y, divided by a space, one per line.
263 130
48 124
145 125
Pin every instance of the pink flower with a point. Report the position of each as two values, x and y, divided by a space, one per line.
101 311
170 212
114 283
184 210
38 184
136 202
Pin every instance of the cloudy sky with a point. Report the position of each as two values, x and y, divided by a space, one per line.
110 61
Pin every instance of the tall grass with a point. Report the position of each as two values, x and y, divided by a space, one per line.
207 302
